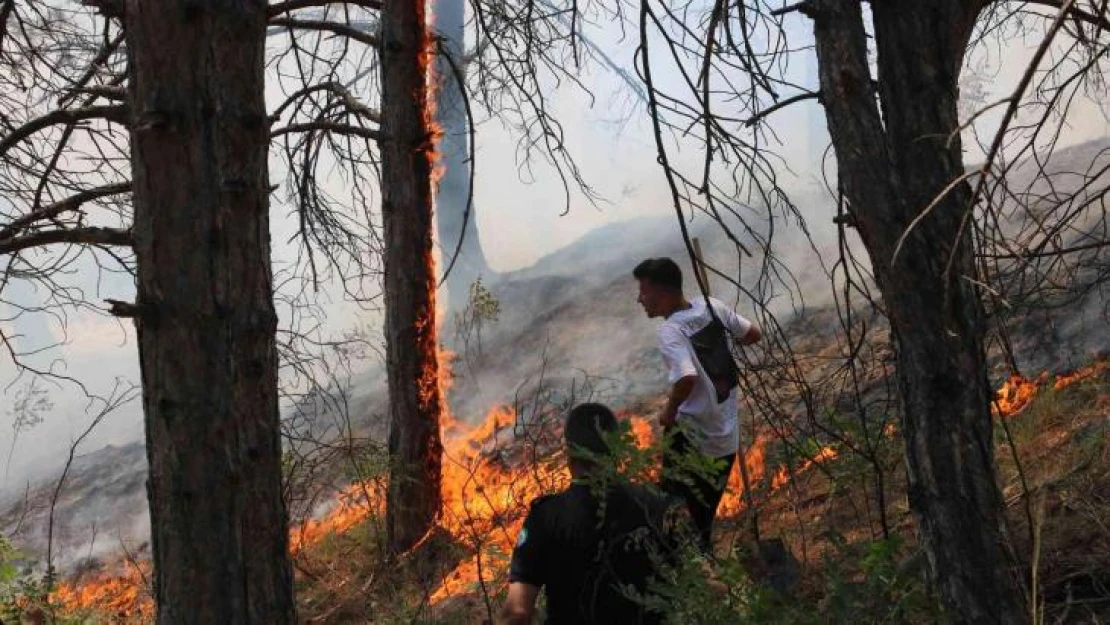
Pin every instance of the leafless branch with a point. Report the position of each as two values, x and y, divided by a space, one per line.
91 235
121 395
336 28
114 113
328 127
71 203
292 5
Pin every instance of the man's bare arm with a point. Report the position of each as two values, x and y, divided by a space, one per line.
754 334
520 605
679 392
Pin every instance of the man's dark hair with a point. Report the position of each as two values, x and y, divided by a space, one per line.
662 272
587 425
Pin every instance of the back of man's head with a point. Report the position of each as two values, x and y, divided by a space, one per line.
586 430
661 272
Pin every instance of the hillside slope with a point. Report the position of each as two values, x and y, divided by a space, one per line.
569 329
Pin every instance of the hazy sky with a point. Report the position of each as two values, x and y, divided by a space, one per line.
518 222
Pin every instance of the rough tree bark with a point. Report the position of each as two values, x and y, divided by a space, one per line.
206 318
407 153
892 165
453 191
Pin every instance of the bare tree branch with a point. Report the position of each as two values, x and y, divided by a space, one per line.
69 204
329 127
115 113
1071 10
91 235
293 5
121 395
325 26
801 97
95 67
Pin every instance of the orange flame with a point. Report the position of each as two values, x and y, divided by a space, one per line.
353 505
427 58
733 502
642 432
1015 394
1018 391
489 479
487 486
782 476
122 596
1081 374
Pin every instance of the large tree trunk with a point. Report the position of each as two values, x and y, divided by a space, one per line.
891 168
454 218
413 499
206 318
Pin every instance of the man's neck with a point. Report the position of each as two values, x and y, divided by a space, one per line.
682 304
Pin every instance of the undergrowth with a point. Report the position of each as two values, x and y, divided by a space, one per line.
1055 479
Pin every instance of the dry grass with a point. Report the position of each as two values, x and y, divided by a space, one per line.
1062 444
1060 440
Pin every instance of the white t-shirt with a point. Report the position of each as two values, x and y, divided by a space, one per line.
714 426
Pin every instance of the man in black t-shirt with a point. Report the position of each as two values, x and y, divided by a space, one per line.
590 544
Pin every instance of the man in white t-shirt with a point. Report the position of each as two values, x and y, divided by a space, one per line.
700 416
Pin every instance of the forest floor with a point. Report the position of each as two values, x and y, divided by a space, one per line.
851 560
854 564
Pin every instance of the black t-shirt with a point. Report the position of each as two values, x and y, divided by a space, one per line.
583 553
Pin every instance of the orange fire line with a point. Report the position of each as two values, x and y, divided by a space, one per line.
485 499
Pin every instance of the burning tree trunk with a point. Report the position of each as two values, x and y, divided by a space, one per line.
408 152
891 167
455 215
205 313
